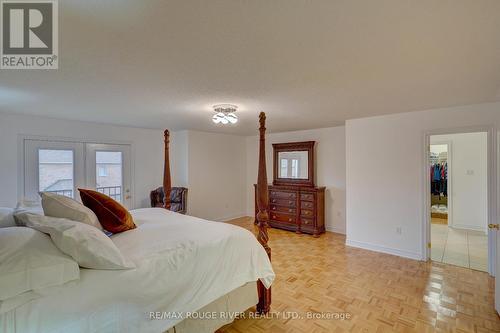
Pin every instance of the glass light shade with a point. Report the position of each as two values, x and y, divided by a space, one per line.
224 121
216 119
232 118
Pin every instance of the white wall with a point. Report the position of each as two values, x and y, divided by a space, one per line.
330 168
468 179
179 145
216 175
386 174
147 146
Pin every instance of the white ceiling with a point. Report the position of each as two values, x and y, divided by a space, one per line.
307 64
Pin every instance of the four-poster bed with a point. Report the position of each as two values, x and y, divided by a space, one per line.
262 200
182 265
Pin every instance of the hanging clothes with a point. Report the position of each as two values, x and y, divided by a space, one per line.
439 178
445 179
437 172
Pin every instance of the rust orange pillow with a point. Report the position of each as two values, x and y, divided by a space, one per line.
113 216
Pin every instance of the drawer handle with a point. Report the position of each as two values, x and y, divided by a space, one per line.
290 202
273 193
291 195
274 208
306 222
289 220
274 216
274 200
290 210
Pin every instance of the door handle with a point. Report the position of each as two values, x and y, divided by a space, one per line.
494 226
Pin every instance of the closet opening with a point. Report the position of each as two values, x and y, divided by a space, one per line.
458 179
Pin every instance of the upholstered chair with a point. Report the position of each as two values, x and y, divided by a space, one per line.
178 199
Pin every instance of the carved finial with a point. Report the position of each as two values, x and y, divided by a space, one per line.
167 135
262 120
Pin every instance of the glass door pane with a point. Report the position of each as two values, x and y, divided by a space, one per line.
56 171
109 175
52 166
109 171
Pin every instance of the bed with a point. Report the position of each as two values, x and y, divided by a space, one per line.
183 265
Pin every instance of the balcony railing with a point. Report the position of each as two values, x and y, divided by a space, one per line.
114 192
66 193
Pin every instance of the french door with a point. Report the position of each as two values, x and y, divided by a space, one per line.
108 170
62 167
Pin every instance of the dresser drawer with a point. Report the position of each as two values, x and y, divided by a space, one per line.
306 223
283 202
282 209
306 213
307 205
282 195
307 196
282 217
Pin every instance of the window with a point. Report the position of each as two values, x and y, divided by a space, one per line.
62 167
102 171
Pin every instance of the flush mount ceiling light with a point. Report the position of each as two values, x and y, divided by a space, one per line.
225 114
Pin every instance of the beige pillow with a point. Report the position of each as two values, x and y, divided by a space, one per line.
56 205
89 247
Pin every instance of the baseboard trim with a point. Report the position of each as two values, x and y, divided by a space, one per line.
334 229
229 218
383 249
467 227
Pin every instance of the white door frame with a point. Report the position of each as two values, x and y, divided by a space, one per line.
492 188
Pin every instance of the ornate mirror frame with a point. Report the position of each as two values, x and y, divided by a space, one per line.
294 146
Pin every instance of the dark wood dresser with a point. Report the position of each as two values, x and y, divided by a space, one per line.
299 209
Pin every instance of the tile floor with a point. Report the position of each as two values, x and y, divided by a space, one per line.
465 248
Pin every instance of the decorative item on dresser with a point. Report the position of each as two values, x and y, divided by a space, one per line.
295 203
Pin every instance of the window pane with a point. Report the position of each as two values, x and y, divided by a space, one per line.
109 173
55 171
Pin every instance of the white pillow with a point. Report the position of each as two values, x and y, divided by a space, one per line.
90 247
29 261
31 206
7 217
56 205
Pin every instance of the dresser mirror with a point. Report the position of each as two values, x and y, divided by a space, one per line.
294 163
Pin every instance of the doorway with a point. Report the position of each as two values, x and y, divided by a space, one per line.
458 199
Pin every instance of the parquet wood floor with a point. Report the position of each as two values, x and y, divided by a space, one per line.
382 293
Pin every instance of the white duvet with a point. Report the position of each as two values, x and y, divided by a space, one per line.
183 263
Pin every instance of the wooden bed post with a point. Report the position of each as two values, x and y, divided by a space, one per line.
167 184
264 304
